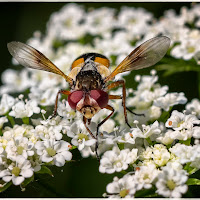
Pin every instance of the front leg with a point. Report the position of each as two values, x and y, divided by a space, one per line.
117 84
66 92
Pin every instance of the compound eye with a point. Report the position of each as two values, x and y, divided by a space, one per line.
74 98
100 97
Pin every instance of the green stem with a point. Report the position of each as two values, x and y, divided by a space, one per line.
25 120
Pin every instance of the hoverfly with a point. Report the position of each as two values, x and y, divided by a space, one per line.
90 76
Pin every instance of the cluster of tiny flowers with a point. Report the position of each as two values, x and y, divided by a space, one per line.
161 149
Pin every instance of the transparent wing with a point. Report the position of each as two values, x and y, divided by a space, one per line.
32 58
146 55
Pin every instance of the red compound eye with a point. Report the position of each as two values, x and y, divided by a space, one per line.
100 97
74 98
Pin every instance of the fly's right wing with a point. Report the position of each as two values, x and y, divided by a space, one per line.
146 55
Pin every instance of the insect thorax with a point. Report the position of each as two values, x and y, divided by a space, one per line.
88 80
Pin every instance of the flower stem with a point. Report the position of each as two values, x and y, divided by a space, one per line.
25 120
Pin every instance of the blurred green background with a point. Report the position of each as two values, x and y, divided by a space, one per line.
81 177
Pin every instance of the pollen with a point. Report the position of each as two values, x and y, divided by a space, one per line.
137 168
170 123
131 134
70 146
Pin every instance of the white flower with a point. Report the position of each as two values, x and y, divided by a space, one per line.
15 81
146 131
194 106
65 25
19 145
80 136
179 121
54 151
18 130
132 17
121 188
186 49
6 104
160 154
185 153
17 171
100 21
166 137
116 160
144 176
171 183
22 109
170 100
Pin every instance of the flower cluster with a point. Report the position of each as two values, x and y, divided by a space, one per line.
159 152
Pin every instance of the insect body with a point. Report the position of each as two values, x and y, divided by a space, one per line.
88 90
90 76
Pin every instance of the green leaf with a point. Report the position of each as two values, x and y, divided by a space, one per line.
45 170
149 141
6 186
120 145
10 118
189 169
186 142
146 193
172 66
193 181
27 181
25 120
165 115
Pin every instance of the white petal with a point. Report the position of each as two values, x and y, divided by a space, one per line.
59 160
46 158
7 178
67 155
26 173
17 180
4 173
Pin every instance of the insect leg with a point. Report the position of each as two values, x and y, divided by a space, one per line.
85 121
116 84
120 97
111 109
56 103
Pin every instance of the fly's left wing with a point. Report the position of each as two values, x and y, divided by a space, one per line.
146 55
32 58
